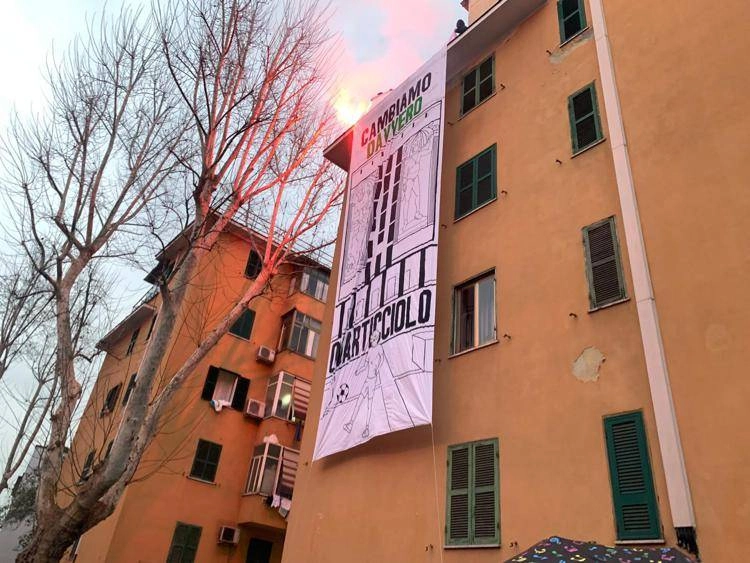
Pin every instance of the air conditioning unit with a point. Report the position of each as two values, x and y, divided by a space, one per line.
229 535
255 408
266 354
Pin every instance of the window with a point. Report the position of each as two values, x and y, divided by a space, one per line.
133 340
254 264
225 386
474 313
87 466
300 334
243 326
273 470
151 327
476 182
585 128
313 282
473 494
111 401
572 18
129 389
603 267
206 461
287 397
478 84
636 513
184 543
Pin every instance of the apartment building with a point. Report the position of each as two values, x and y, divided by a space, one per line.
217 482
592 317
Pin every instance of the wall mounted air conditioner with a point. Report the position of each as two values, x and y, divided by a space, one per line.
255 408
229 535
266 354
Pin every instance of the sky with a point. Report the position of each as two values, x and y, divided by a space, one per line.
380 43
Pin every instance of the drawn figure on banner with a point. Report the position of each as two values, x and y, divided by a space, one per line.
371 367
416 164
359 227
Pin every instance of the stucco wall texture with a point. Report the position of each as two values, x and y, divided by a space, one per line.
681 78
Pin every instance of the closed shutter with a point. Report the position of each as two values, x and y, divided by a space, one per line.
301 398
633 493
210 384
459 474
603 266
243 326
240 393
289 465
485 493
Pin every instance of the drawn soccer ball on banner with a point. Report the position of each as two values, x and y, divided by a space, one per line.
342 393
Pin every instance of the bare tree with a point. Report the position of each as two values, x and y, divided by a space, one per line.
247 76
83 175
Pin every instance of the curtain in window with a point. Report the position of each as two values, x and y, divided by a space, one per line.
486 289
224 387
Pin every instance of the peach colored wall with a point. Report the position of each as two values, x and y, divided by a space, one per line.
681 73
385 501
162 493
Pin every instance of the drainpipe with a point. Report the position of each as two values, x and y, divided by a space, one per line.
680 501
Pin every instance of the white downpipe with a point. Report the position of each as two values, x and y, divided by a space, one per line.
680 501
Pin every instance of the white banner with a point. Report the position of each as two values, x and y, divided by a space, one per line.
379 377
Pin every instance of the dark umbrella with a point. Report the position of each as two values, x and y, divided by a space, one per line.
561 550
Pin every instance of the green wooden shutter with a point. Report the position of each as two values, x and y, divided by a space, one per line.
185 542
472 512
210 384
636 512
243 326
603 266
485 501
459 476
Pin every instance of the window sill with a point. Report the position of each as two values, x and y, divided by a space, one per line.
485 204
473 546
238 336
461 114
588 147
640 542
199 480
481 346
574 36
311 358
608 305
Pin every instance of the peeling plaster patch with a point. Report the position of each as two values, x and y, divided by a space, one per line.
560 54
586 367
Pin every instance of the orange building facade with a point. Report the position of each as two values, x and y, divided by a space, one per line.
218 480
592 316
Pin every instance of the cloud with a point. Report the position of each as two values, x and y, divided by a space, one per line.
384 41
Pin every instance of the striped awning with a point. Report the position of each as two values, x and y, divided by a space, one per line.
301 397
289 463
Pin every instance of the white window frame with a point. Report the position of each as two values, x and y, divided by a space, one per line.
255 481
278 379
305 281
457 313
313 337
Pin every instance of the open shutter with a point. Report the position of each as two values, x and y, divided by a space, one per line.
632 483
603 263
210 384
301 397
459 478
240 393
486 523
